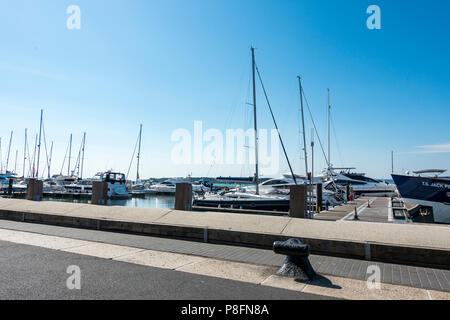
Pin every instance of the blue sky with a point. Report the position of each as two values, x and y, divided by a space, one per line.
166 64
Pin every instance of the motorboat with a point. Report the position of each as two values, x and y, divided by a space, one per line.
427 189
117 187
170 186
360 183
274 195
243 200
140 189
164 187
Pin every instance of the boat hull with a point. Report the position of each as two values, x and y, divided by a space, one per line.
427 192
249 204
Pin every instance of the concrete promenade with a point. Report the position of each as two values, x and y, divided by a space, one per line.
114 265
425 245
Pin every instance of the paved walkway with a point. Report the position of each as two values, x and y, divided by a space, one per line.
409 235
425 278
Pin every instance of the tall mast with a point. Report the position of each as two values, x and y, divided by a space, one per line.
82 158
34 158
15 163
39 145
256 123
24 153
139 154
303 124
70 154
78 162
392 161
50 161
9 150
329 120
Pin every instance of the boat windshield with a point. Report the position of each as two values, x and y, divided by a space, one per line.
115 177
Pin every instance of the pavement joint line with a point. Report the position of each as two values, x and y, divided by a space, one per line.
304 288
128 254
429 295
73 247
409 276
437 279
190 263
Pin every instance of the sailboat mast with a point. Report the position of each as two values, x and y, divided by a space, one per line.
70 155
139 154
256 123
15 163
392 161
39 145
50 160
329 120
9 150
25 153
34 157
82 158
303 125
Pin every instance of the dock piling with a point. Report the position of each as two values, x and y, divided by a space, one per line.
297 202
34 190
183 197
99 193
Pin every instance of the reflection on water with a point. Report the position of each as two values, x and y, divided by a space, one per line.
150 201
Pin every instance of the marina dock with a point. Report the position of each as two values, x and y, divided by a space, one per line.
379 210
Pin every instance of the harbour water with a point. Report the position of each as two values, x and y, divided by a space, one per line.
149 201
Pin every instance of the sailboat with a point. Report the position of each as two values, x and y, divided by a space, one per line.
245 198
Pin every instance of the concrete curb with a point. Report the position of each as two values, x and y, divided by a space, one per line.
419 256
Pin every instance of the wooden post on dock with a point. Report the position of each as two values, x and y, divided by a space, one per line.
183 197
99 193
34 190
319 197
10 187
297 201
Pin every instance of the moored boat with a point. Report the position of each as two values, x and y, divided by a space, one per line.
429 190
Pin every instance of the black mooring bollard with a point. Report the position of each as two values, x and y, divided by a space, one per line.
297 264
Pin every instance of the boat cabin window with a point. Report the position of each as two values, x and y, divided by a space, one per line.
353 183
115 177
361 178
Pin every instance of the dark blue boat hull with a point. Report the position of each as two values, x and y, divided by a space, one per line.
426 191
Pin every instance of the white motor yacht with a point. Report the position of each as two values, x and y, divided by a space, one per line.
360 183
170 186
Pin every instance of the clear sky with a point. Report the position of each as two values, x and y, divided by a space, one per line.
168 63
